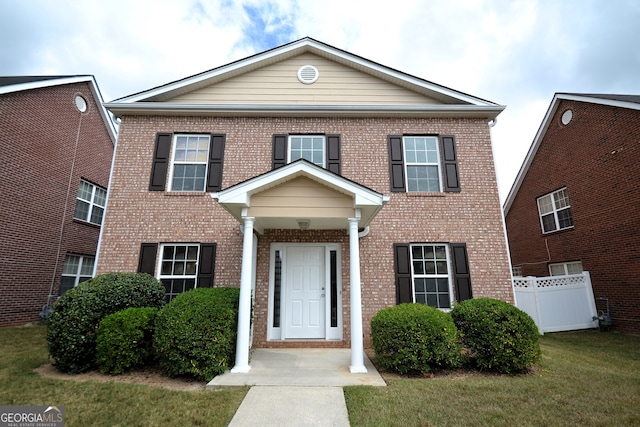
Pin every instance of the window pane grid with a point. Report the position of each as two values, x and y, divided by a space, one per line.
178 268
75 270
555 211
90 203
190 156
422 161
310 148
430 275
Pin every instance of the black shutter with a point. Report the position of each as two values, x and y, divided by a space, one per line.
279 151
160 162
216 156
206 265
450 164
396 164
333 153
147 259
402 262
461 276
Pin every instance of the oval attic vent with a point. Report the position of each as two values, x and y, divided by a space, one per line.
308 74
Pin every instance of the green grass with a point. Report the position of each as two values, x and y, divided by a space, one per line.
102 404
586 378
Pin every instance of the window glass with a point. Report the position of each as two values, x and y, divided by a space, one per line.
430 272
178 268
90 203
190 162
75 270
554 210
307 147
422 163
565 268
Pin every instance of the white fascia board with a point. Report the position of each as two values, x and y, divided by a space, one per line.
317 48
207 75
601 101
241 193
533 149
488 112
45 83
551 111
95 90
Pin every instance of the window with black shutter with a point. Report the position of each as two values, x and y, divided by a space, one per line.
321 150
423 163
196 162
182 266
160 162
431 273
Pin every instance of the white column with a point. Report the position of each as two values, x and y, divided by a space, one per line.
244 309
357 345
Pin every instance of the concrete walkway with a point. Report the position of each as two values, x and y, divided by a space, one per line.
292 406
296 387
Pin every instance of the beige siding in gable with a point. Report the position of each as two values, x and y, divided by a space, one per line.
301 197
279 84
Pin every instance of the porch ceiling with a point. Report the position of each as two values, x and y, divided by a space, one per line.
326 202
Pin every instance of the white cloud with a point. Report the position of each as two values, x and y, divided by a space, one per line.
516 53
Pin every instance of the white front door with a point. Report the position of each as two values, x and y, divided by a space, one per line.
305 303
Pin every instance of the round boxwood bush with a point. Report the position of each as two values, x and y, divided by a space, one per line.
414 338
125 340
196 332
72 327
499 336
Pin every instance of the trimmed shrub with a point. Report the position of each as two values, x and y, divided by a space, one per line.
125 340
414 338
72 327
196 332
499 336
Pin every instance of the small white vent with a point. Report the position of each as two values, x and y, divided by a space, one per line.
308 74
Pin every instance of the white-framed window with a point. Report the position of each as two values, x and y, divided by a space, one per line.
555 211
308 147
565 268
76 269
90 203
178 268
422 163
430 275
189 162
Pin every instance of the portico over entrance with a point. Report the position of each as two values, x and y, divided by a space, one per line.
304 299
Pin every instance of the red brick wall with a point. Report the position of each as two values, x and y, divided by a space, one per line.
596 157
38 130
473 216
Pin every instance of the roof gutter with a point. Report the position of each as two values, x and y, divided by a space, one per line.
300 110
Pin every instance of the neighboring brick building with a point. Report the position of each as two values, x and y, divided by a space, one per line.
575 204
396 201
57 145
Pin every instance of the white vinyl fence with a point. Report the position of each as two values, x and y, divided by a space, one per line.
557 303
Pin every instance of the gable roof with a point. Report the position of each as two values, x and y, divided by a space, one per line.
454 103
238 196
12 84
621 101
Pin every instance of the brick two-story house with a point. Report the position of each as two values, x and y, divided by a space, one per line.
57 144
575 204
324 185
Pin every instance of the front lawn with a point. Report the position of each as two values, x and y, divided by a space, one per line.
93 403
586 378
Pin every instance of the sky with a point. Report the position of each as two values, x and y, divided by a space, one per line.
517 53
